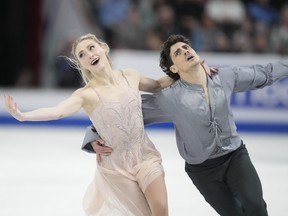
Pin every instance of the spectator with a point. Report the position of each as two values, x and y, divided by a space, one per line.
166 19
111 14
131 34
228 14
279 35
261 12
66 75
241 40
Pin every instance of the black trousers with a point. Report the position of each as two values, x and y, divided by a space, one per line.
230 184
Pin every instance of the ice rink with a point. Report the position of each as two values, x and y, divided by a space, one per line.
44 172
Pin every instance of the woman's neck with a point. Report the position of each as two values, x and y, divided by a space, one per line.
107 77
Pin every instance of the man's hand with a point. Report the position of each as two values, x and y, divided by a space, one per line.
101 149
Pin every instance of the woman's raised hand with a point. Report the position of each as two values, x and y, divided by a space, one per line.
12 108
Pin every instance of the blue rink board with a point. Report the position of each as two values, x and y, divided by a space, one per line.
268 101
83 122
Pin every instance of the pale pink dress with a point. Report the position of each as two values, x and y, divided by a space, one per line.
122 177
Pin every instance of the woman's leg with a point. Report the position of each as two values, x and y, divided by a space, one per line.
156 195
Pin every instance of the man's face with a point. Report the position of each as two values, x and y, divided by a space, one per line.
183 57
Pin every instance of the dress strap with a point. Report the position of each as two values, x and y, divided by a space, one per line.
96 93
125 78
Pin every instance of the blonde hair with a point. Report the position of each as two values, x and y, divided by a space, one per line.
86 74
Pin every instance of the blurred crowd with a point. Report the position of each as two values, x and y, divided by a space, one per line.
256 26
230 26
37 32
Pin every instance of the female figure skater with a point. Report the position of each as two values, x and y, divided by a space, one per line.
129 182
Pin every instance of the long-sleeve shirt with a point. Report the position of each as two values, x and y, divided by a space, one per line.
207 130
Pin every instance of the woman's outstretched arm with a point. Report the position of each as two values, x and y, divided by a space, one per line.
151 85
66 108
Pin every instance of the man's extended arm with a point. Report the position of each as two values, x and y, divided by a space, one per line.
255 76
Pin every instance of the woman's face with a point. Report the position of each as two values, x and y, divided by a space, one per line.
91 55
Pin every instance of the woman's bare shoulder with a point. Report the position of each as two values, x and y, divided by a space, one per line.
85 91
89 96
130 72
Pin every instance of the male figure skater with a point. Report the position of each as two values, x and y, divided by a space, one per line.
216 158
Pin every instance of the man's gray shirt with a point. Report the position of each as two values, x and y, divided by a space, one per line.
204 131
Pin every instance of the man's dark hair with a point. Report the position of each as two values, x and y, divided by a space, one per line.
165 59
